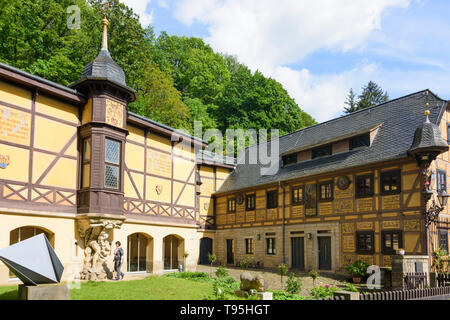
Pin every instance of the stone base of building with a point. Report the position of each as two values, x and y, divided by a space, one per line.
44 292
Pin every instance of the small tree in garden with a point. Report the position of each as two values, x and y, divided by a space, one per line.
438 260
211 259
282 270
314 275
221 272
293 284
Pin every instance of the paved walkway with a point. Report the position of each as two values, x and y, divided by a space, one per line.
273 278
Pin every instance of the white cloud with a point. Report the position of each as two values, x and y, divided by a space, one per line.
268 35
140 8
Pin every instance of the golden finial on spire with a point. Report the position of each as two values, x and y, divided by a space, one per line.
105 23
427 112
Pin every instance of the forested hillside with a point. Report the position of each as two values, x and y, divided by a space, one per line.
178 79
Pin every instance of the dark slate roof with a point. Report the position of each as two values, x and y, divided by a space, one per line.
397 120
104 67
39 79
428 137
214 158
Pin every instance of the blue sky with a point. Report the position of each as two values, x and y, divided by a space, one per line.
319 50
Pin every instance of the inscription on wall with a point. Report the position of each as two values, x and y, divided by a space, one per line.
364 205
343 206
391 202
159 163
364 225
348 243
297 211
325 208
14 126
393 224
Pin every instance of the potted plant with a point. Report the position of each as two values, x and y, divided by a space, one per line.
358 270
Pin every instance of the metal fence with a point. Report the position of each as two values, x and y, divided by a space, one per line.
416 294
416 280
443 279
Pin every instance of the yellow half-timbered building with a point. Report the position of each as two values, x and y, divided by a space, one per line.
76 165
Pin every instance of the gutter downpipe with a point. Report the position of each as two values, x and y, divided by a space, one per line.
283 224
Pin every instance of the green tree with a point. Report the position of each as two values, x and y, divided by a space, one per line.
352 104
371 95
159 100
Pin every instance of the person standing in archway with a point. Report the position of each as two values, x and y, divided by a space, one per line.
118 261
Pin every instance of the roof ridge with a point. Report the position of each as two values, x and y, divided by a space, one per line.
362 110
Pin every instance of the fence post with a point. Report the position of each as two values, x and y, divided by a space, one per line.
346 295
433 280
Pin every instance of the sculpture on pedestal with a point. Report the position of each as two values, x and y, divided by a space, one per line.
95 233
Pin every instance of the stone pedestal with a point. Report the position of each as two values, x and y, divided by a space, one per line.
261 295
44 292
401 265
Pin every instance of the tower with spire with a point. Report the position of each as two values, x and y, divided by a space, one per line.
103 133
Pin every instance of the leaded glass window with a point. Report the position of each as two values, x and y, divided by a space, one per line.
112 161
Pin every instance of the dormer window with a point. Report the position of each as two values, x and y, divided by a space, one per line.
321 152
289 159
360 141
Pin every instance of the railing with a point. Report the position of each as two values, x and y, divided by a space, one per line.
406 294
417 280
443 279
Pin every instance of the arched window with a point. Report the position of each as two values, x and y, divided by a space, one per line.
23 233
139 252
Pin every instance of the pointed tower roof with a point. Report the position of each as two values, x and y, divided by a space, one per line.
428 138
104 68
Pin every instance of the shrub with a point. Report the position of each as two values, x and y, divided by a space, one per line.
357 268
221 272
293 284
246 262
283 295
325 291
351 288
189 275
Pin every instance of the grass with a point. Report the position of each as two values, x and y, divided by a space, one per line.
9 293
151 288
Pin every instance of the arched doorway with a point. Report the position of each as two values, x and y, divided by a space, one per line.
206 245
173 248
140 253
23 233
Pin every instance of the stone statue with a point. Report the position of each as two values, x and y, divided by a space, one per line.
95 232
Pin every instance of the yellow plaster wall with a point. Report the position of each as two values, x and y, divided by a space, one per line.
17 170
53 136
56 108
15 95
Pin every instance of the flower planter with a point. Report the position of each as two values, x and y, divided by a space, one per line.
356 279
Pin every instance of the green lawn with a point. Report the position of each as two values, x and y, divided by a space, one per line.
151 288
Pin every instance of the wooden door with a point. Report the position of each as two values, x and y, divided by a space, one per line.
324 253
205 249
298 253
230 255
